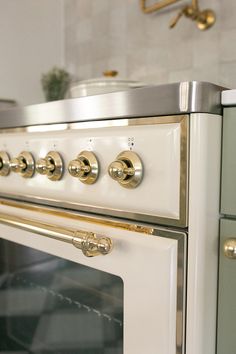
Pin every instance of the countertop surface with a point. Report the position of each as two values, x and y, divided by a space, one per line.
229 97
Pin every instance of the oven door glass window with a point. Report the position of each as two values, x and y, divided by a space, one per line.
51 305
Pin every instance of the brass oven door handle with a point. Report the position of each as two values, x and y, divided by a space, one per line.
88 242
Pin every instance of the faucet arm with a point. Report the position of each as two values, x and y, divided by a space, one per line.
156 7
204 19
195 5
176 19
188 11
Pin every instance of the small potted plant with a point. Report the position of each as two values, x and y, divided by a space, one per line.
55 84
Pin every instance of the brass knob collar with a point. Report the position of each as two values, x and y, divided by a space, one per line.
51 166
4 163
23 164
127 169
85 167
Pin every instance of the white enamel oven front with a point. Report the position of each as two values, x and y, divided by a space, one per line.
128 301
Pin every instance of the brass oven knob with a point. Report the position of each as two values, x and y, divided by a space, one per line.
4 163
127 169
119 171
85 167
51 166
23 164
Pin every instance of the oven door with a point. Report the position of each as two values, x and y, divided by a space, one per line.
54 299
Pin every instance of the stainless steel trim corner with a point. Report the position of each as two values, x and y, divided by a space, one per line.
171 99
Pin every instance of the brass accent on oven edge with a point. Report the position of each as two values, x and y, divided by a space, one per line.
4 163
88 242
184 126
85 167
181 287
51 166
230 248
127 169
75 216
23 164
119 122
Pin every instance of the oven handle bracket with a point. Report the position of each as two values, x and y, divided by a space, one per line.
89 243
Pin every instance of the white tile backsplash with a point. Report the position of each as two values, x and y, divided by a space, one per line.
206 50
99 6
226 15
120 63
227 45
227 73
115 34
118 22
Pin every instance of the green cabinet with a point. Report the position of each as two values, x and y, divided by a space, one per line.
227 292
226 336
228 196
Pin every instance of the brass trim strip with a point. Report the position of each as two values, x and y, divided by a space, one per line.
181 287
44 128
183 120
75 216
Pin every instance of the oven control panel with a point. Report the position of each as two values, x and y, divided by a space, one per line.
130 169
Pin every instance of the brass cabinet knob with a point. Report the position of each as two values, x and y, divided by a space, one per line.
230 248
23 164
85 167
4 163
51 166
127 169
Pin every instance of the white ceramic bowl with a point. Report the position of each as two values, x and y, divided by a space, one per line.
100 86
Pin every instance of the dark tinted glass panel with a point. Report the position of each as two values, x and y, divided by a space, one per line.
51 305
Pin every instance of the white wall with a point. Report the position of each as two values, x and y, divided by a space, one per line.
115 34
31 37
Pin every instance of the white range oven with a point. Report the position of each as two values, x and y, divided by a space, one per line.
109 212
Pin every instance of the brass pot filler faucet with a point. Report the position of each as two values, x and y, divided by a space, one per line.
204 18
